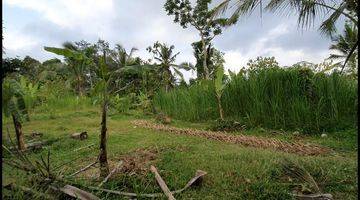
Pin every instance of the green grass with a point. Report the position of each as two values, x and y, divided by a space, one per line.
234 172
289 99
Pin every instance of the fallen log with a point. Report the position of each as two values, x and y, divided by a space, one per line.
111 173
193 181
79 136
34 145
84 169
162 183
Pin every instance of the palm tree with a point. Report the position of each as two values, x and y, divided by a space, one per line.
166 56
343 44
307 11
10 96
122 57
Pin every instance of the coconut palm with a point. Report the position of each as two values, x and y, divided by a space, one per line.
343 44
307 10
164 54
122 57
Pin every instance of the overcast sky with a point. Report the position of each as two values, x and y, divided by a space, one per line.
31 24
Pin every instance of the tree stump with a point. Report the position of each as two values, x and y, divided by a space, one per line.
79 136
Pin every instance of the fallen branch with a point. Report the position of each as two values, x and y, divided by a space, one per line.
85 168
78 193
162 183
90 145
111 173
196 179
313 196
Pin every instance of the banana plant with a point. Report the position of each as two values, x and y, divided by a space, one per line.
78 62
29 93
11 94
219 88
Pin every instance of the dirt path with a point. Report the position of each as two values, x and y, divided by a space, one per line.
252 141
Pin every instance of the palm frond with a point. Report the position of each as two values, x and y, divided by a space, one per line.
177 72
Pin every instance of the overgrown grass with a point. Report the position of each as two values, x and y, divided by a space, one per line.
234 171
277 98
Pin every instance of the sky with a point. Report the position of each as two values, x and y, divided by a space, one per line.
29 25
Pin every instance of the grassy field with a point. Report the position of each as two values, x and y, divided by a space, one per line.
234 172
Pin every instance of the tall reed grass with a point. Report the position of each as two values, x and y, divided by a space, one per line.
277 98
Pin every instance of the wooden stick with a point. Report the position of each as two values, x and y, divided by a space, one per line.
199 174
90 145
111 173
313 196
85 168
162 183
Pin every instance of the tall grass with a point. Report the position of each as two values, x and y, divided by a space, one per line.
277 98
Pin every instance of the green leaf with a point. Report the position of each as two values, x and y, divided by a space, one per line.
219 86
65 52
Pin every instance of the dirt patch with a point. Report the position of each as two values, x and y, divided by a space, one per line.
252 141
134 163
138 161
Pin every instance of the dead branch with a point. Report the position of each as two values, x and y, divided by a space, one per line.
90 145
162 183
313 196
78 193
111 173
196 179
84 169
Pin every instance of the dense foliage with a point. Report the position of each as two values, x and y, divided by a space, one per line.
273 97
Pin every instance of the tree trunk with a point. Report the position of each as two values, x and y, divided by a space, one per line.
221 111
80 86
167 80
19 134
104 167
204 52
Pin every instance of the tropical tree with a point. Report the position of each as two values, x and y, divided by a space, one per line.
215 58
9 66
343 45
11 95
164 54
200 18
103 88
124 58
77 61
307 10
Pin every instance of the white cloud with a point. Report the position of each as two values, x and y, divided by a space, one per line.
141 23
15 41
235 60
89 14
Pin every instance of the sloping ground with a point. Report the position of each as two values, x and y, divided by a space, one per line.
252 141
